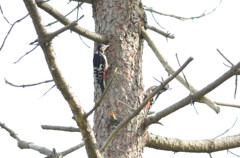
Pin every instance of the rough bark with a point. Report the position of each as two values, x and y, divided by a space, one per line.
121 22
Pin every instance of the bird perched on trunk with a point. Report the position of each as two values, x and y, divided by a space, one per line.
154 98
100 65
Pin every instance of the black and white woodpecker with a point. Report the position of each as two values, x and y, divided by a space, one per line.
100 65
153 100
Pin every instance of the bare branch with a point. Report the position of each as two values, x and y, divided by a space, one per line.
26 54
27 85
228 105
82 122
179 17
227 129
196 96
68 151
60 128
79 30
56 33
170 70
79 5
11 132
137 111
4 15
19 20
103 95
165 34
178 145
26 145
225 57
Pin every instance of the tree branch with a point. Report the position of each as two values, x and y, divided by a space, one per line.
83 124
178 145
26 85
196 96
60 128
165 34
79 30
227 104
26 145
170 70
137 111
19 20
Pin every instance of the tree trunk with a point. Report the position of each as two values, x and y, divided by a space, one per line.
120 21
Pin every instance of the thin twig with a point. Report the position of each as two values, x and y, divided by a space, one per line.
228 105
19 20
125 104
26 54
165 34
227 129
236 85
233 153
225 57
170 70
79 5
103 95
48 91
60 128
68 151
236 79
27 85
179 17
4 15
137 111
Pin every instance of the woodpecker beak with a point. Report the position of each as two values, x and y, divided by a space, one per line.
105 47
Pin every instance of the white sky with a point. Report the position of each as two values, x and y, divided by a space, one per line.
24 110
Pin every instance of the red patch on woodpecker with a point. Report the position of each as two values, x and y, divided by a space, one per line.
104 75
147 105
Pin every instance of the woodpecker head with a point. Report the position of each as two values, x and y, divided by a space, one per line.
102 47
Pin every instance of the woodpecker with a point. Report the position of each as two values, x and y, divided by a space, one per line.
153 100
100 65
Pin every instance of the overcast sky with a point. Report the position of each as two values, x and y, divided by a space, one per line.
24 110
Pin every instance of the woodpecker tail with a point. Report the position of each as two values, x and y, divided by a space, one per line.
102 87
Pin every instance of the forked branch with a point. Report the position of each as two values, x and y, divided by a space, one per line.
235 70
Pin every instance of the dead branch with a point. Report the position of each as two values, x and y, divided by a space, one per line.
70 150
196 96
83 124
19 20
180 17
165 34
79 30
137 111
178 145
24 144
227 104
170 70
60 128
26 85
